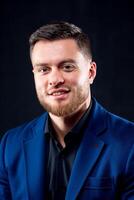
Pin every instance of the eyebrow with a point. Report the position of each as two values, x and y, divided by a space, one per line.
59 64
67 61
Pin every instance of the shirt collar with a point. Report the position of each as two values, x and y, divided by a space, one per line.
76 130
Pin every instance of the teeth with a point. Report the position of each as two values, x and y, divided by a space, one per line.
57 93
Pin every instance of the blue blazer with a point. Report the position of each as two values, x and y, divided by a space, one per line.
103 168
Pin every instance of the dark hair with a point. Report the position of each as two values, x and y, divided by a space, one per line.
62 30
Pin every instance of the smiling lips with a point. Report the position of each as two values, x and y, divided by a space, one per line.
58 92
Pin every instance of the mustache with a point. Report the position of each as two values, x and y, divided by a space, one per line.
60 87
57 88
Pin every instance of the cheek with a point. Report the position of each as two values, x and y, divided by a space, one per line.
81 79
78 79
39 84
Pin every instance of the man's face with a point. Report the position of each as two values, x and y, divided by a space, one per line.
62 76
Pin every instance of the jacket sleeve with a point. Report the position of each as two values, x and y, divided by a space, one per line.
5 193
128 191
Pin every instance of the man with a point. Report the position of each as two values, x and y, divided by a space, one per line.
77 149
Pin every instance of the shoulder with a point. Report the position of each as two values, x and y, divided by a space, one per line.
119 123
23 131
119 133
115 127
112 120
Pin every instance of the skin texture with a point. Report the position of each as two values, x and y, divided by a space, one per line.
63 75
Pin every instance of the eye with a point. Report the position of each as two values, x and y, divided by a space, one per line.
68 67
42 70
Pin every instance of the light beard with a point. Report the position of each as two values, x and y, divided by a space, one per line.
67 109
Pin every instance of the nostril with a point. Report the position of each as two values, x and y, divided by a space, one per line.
57 82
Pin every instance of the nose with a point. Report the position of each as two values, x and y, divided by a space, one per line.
56 77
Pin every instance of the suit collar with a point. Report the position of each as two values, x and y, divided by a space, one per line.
89 151
34 147
98 118
35 127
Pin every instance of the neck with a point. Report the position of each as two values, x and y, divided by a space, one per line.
64 124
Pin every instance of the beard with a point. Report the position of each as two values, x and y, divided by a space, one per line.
64 109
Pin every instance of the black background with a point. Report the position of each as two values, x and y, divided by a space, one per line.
111 25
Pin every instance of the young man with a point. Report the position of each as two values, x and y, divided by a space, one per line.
75 150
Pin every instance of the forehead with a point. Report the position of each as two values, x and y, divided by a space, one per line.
58 48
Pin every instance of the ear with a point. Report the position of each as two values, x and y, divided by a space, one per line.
92 71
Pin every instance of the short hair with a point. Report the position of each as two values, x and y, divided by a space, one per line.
62 30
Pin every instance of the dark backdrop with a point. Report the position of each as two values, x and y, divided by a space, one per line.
111 25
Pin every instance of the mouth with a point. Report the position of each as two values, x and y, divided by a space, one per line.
58 92
61 93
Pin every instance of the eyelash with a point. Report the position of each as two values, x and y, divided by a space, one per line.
68 68
44 70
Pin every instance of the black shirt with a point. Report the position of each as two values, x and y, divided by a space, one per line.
60 160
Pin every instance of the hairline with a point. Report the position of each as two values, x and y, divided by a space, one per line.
87 55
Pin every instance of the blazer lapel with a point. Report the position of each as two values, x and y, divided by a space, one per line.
34 148
88 153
